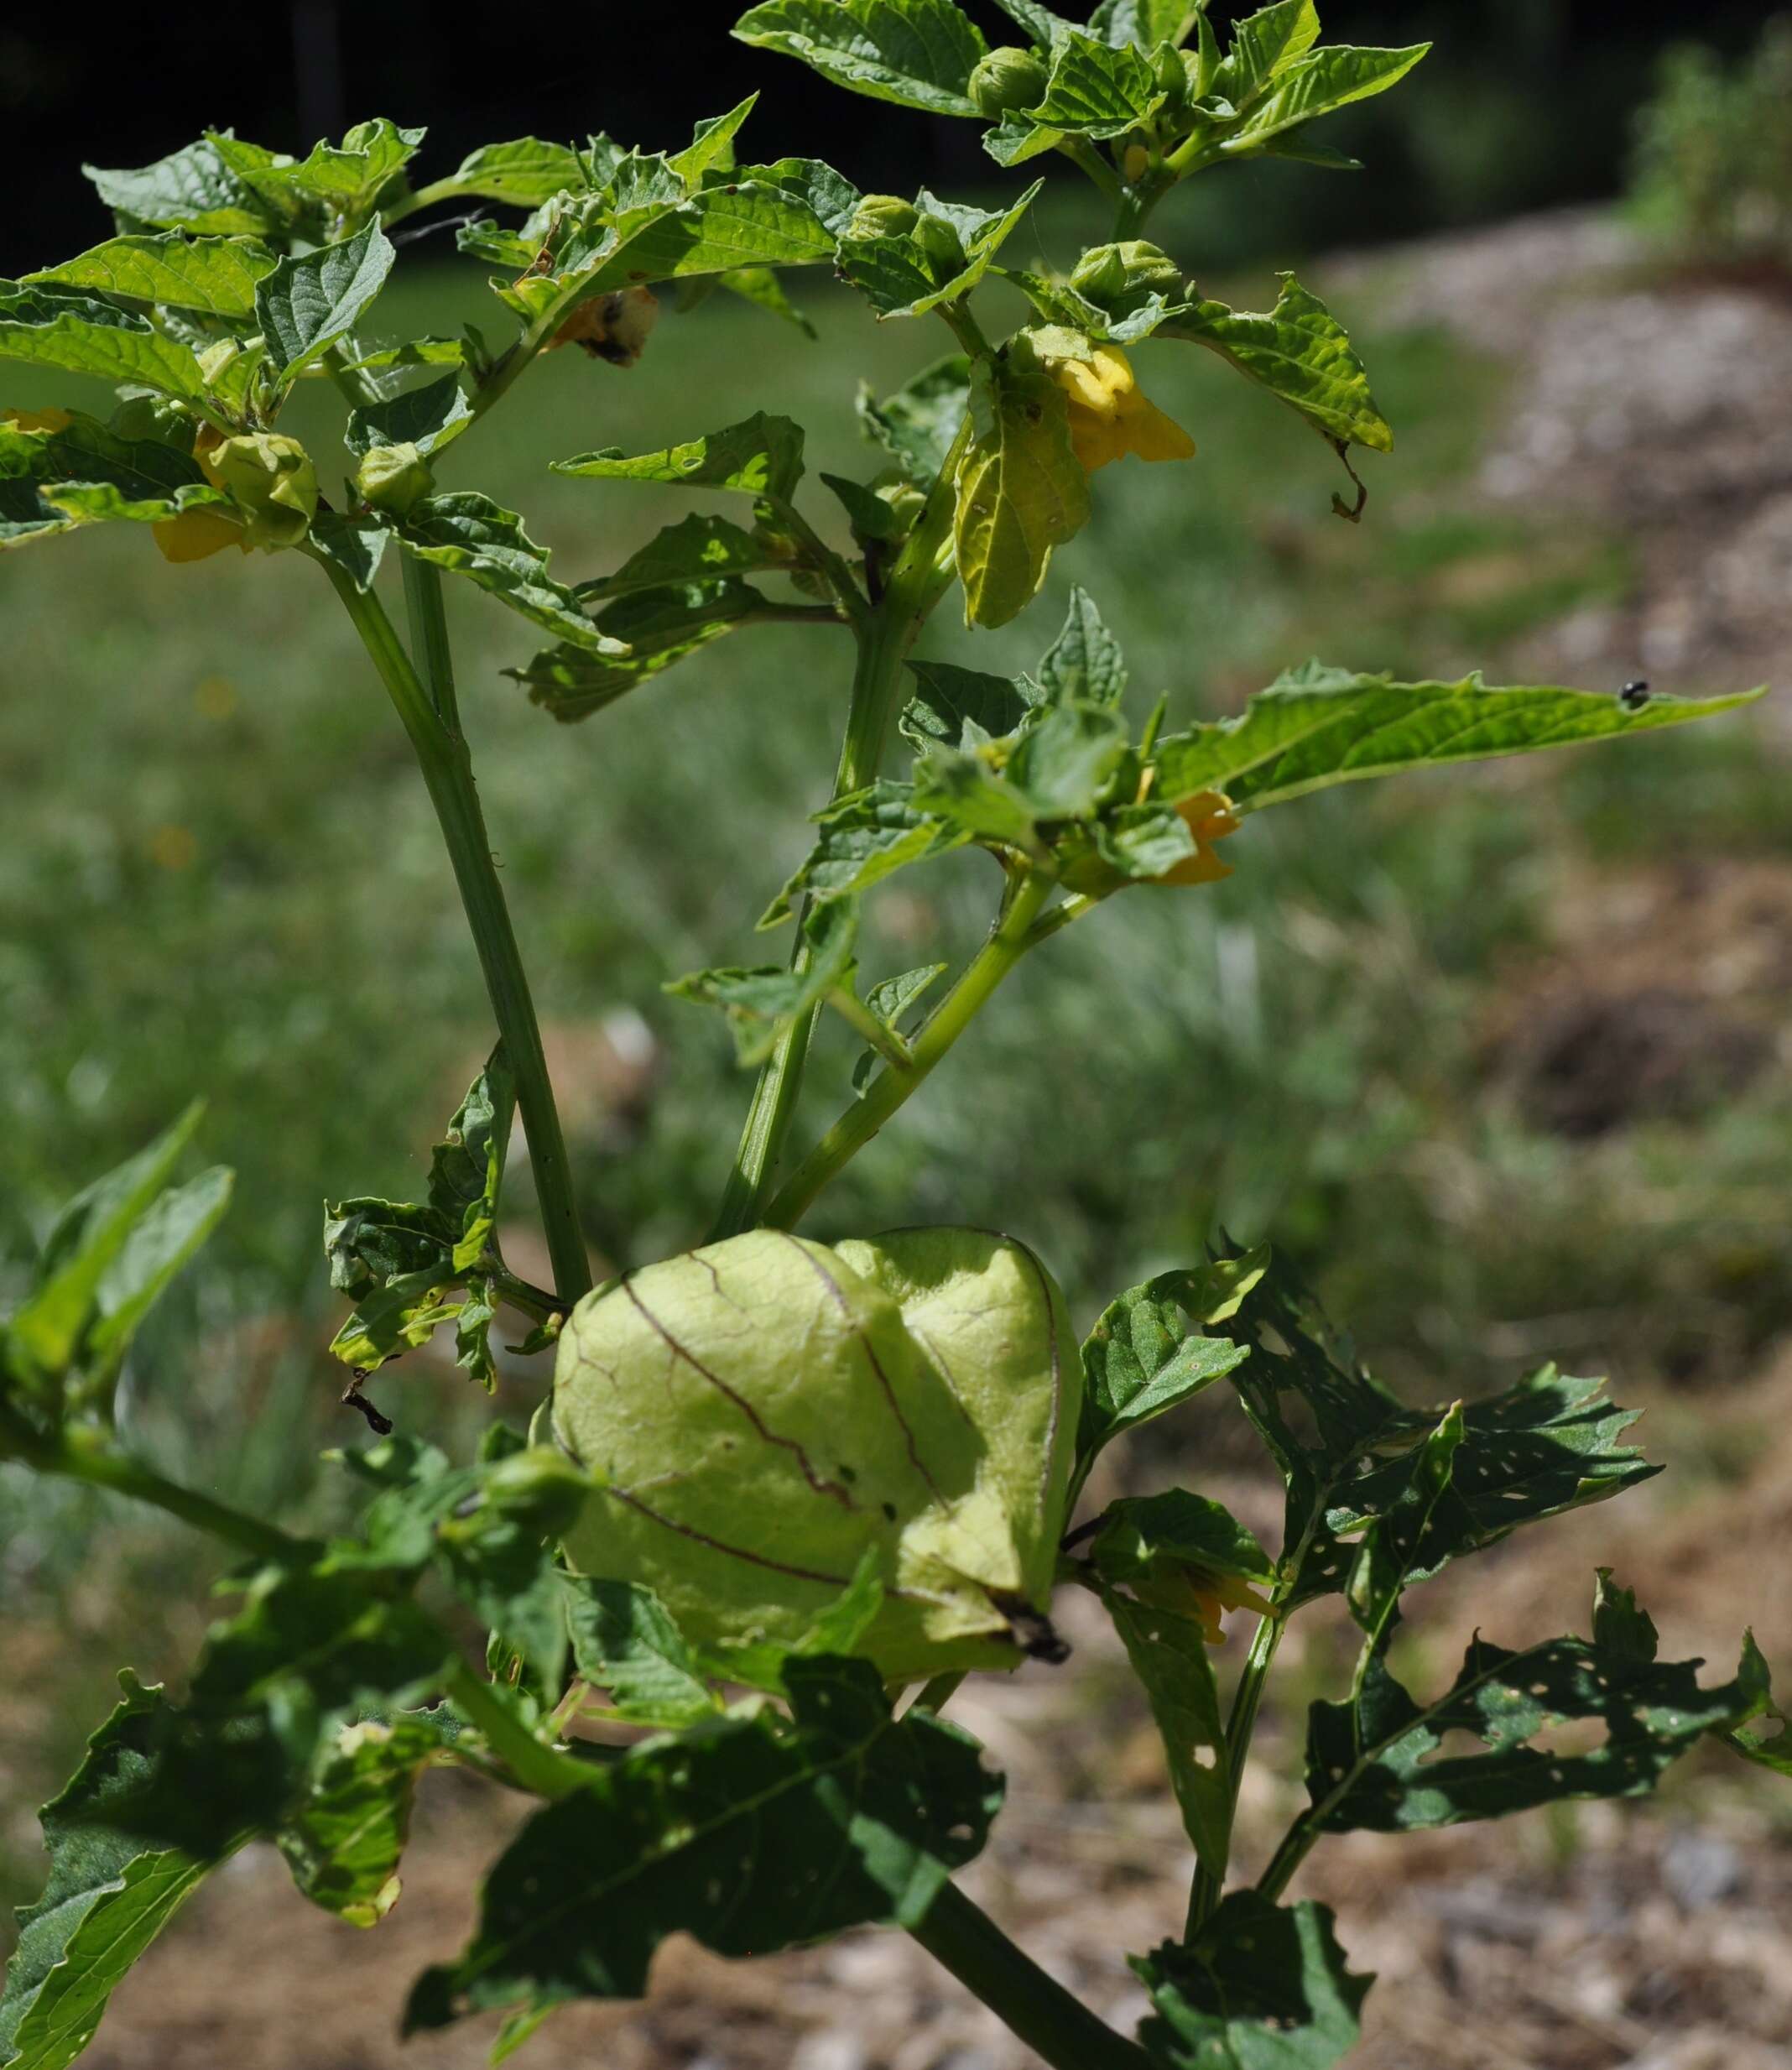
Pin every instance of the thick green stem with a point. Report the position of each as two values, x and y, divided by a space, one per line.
885 633
1210 1882
894 1084
431 653
1056 2026
448 775
80 1455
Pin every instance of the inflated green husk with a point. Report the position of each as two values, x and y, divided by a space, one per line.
762 1411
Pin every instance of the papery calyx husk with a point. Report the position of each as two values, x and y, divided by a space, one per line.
272 480
762 1412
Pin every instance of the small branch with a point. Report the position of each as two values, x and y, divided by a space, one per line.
536 1768
1087 159
1035 2006
884 634
1210 1883
1007 943
879 1034
935 1695
84 1455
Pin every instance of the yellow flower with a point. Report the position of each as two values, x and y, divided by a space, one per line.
195 534
1206 1597
37 419
1111 416
1209 817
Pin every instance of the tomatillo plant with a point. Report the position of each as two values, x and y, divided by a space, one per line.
785 1495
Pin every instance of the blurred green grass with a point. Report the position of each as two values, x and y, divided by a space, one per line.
218 873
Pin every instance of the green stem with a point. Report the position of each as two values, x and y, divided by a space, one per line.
1210 1882
448 775
80 1455
1007 943
431 653
878 1034
935 1695
536 1767
1034 2006
1087 159
884 634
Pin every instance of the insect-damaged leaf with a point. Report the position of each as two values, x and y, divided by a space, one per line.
1351 1451
411 1265
344 1841
477 538
1375 1763
1259 1987
872 1814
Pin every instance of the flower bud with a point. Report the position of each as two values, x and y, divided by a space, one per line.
1009 78
272 479
394 478
1108 273
939 241
883 216
762 1414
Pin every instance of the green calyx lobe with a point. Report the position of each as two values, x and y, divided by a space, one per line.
1009 78
765 1413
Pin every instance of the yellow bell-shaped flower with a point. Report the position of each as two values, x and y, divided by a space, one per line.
1111 416
1209 817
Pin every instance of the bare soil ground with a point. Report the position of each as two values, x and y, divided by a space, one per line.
1649 1938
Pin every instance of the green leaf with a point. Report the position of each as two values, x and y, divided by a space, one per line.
310 300
1315 727
214 276
1096 91
525 171
1349 1451
1143 23
1145 1357
904 275
399 1260
1771 1750
356 545
1044 27
1063 764
657 628
84 472
748 222
891 998
1169 1653
1264 44
109 1892
1374 1764
1318 83
1085 664
872 517
84 1249
872 1814
917 53
700 549
624 1641
949 699
428 417
1390 1557
865 837
344 1841
763 1001
1148 1538
917 425
762 455
1300 353
1022 491
55 326
155 1251
477 538
192 189
342 181
711 146
1258 1987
